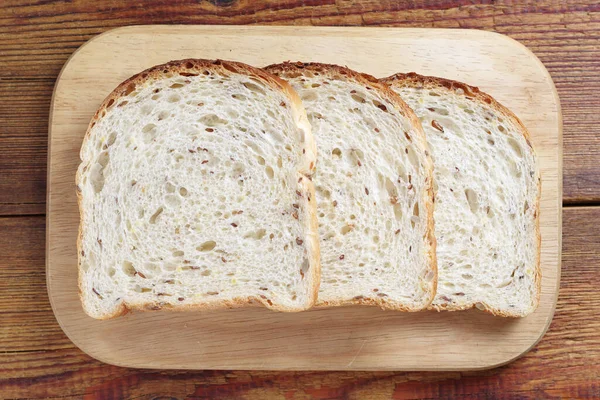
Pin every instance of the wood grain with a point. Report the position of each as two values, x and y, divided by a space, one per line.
37 37
565 364
332 339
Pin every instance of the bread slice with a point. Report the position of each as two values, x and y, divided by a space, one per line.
374 189
195 192
487 197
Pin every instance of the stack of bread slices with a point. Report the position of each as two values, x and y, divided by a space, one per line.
207 184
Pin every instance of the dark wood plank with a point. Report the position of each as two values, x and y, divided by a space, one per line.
24 107
37 360
37 37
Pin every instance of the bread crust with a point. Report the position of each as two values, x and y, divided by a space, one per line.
190 67
473 93
338 72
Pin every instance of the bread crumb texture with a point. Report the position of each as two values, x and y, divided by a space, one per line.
192 196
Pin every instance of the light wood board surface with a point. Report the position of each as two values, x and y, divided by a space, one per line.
357 338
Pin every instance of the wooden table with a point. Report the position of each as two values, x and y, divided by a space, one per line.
38 361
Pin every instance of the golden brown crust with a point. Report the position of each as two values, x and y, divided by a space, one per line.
312 236
289 69
194 67
473 93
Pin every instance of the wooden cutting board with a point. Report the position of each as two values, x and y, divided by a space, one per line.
350 338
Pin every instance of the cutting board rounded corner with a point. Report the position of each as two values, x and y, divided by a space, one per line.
228 340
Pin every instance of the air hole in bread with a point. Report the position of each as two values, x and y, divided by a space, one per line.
416 210
357 156
128 269
183 192
412 156
174 98
269 171
467 276
514 169
163 115
206 272
472 200
212 120
130 88
146 109
514 145
170 187
85 266
346 228
150 267
156 214
375 239
239 97
232 114
176 85
429 275
358 98
433 94
380 105
207 246
172 200
111 139
149 133
275 136
401 172
324 192
413 221
309 95
97 172
305 267
525 207
501 128
336 153
391 190
103 159
253 87
178 253
491 141
257 235
398 211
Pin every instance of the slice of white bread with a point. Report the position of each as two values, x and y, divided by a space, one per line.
487 197
194 192
374 189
